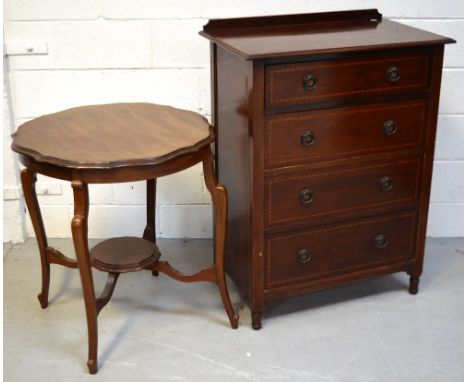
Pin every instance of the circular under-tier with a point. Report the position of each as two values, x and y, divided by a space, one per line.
124 254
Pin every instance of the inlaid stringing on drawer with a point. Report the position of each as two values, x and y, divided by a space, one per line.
336 192
300 83
324 252
343 132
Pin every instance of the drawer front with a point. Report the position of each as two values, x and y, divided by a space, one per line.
302 83
341 133
339 192
325 252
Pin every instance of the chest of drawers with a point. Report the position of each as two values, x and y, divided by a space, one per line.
325 128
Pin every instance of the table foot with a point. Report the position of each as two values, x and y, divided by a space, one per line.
43 300
92 366
233 317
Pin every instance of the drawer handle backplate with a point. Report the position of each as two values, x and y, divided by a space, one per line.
303 256
390 128
393 74
380 241
309 82
307 138
386 183
306 196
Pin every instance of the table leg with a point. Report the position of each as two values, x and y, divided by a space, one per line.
79 227
219 196
150 229
28 182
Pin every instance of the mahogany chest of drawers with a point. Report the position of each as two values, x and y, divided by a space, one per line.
325 128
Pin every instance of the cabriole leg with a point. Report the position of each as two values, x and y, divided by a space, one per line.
80 240
219 196
28 182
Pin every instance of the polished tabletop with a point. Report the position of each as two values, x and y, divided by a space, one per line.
112 135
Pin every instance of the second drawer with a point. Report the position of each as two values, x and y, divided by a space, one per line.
312 196
298 138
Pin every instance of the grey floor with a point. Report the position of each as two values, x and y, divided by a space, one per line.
156 329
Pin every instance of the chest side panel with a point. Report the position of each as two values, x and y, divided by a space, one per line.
233 84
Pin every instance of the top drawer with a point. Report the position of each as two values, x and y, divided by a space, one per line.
302 83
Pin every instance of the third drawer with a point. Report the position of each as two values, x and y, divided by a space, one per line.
316 196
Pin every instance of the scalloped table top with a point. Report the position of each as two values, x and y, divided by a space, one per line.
112 135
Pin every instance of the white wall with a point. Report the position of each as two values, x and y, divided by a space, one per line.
102 51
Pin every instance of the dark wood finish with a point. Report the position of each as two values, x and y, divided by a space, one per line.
325 128
233 141
118 143
150 229
79 228
417 267
214 273
343 133
341 192
85 137
28 181
106 294
56 257
339 249
310 34
220 201
124 254
236 25
345 78
49 255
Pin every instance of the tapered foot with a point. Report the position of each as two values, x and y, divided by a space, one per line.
92 366
256 321
414 284
155 273
234 321
43 300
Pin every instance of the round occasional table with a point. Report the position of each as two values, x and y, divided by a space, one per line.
109 144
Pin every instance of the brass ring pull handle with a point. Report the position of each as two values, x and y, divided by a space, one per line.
393 74
307 138
309 82
386 183
390 128
380 241
306 196
303 256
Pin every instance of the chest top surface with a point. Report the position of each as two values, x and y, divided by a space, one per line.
112 135
315 33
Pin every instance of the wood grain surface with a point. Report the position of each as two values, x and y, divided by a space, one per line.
303 108
112 135
308 34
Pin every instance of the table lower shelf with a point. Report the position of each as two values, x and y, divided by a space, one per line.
124 254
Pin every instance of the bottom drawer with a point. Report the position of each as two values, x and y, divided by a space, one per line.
325 252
